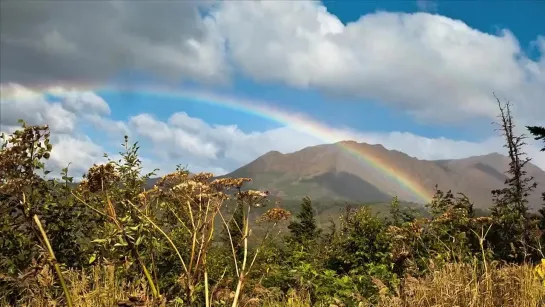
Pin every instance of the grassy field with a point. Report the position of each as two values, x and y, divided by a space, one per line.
452 285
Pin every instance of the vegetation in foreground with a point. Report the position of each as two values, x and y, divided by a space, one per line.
193 240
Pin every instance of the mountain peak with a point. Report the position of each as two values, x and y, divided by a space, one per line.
272 153
325 171
348 142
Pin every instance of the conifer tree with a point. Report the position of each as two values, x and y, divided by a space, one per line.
539 134
398 215
304 229
511 205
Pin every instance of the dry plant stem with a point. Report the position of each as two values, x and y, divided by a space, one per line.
55 264
231 243
134 251
136 255
245 259
165 235
133 248
206 291
482 238
260 246
198 254
217 283
193 236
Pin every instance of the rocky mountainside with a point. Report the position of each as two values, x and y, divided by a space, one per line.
329 171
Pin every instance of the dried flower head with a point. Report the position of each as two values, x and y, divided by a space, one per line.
170 180
275 215
101 177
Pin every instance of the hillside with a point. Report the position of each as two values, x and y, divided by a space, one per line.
330 171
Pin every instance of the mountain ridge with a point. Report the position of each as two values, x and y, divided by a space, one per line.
328 170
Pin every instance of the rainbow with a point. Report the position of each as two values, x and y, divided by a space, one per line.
296 121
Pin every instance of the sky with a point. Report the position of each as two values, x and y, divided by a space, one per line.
214 85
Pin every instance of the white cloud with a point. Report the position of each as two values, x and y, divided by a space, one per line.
186 140
438 68
62 114
225 147
91 41
80 152
171 141
18 102
113 128
84 102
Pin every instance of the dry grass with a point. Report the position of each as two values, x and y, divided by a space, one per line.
461 285
100 288
453 285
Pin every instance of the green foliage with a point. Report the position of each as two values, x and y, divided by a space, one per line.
179 243
304 229
400 215
538 132
510 210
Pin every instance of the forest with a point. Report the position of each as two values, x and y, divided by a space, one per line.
197 240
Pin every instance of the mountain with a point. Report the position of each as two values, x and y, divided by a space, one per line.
330 171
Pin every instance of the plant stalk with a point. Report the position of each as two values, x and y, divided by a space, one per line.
55 264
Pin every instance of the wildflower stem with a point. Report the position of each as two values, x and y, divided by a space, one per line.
54 259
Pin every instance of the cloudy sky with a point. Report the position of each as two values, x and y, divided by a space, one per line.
213 85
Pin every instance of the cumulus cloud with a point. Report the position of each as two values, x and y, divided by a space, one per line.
435 67
183 139
18 102
62 110
94 41
215 147
80 101
76 153
224 148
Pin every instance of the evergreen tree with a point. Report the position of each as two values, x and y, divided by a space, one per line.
510 203
304 229
539 134
398 215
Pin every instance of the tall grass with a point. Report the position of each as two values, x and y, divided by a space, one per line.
461 285
457 284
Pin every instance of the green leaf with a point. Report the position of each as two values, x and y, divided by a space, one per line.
92 258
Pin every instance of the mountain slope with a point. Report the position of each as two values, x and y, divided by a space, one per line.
329 171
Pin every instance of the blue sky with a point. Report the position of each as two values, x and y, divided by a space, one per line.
420 83
522 18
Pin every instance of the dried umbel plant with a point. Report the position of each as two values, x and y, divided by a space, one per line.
275 215
100 177
191 202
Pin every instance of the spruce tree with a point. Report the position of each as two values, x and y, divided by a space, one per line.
539 134
400 215
510 208
304 229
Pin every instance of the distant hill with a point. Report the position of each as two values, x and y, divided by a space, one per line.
328 171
